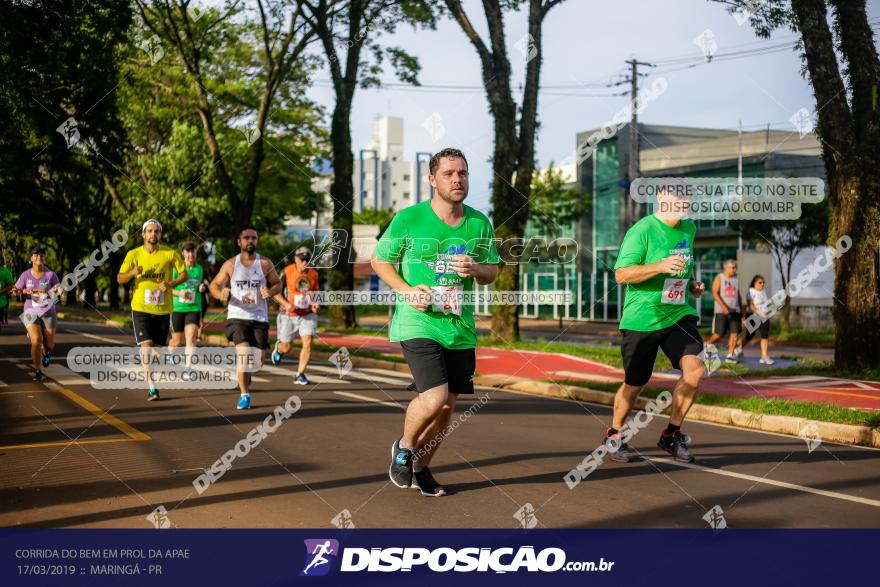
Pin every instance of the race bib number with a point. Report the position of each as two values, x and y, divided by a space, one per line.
302 301
188 296
674 291
447 299
154 297
40 300
249 297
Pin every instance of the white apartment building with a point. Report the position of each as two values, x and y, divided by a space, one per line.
382 178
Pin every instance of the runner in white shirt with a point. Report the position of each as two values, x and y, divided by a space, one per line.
757 302
254 281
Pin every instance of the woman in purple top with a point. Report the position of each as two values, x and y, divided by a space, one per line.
39 284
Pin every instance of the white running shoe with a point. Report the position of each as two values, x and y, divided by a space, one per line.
766 361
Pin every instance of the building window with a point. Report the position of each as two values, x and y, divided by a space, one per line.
394 184
406 177
405 194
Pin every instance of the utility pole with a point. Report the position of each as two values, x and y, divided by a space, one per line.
629 208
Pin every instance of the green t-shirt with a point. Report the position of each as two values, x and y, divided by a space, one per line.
190 285
663 300
6 278
424 246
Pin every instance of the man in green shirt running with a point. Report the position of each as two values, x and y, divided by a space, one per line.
656 264
186 315
442 246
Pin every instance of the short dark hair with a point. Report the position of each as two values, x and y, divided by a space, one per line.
240 232
188 246
447 152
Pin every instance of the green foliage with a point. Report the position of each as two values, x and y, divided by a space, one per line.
553 205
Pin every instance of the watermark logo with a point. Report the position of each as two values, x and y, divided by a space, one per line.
657 88
196 11
527 46
706 42
635 424
742 14
343 520
810 434
320 554
711 359
159 518
342 360
715 518
152 46
69 129
803 121
251 133
435 127
244 446
526 516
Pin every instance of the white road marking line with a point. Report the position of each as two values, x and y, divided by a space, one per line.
803 488
312 378
388 373
780 380
65 376
356 374
92 336
369 399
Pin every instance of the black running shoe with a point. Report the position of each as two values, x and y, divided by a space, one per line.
38 376
425 482
676 445
400 471
617 449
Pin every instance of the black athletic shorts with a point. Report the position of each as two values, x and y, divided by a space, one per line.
179 320
253 332
433 365
150 328
722 323
763 330
639 348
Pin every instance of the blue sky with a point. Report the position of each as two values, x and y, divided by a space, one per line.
588 41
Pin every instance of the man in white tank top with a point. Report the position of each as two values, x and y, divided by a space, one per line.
253 281
728 310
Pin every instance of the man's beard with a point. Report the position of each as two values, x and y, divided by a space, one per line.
250 248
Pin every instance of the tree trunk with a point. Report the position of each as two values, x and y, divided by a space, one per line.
341 192
851 142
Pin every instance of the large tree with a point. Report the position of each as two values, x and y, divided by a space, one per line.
513 158
848 124
346 28
59 68
268 39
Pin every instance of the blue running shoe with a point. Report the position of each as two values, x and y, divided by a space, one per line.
301 379
401 469
244 402
153 395
46 359
276 356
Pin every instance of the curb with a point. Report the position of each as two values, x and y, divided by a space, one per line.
789 425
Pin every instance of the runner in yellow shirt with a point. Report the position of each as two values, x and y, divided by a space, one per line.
151 268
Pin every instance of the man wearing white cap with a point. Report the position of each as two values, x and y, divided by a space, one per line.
151 268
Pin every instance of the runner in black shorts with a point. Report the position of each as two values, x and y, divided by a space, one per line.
433 325
253 280
655 262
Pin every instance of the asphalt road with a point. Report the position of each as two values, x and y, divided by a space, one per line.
72 455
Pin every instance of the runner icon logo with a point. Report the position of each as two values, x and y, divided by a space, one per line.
320 554
810 434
